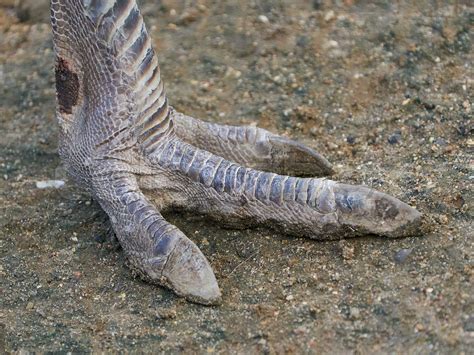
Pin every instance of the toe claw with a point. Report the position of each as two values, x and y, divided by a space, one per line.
297 159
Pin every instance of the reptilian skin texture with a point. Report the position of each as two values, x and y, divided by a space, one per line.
122 142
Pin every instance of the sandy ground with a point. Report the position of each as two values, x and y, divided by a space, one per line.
383 89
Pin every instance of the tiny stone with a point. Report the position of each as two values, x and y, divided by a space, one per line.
313 131
30 306
264 19
351 139
444 219
394 138
355 313
329 16
233 73
419 327
332 44
429 106
402 255
463 130
289 298
55 184
347 252
166 314
317 4
467 105
469 324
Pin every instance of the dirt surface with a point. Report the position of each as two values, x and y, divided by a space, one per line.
384 90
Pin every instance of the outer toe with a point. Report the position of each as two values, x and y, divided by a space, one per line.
188 273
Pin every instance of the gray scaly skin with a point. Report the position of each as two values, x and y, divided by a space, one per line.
121 141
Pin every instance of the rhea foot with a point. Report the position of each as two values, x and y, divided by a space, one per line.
121 141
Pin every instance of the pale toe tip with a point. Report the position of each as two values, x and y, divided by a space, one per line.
373 212
189 274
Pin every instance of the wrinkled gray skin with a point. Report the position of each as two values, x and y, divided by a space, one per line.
122 142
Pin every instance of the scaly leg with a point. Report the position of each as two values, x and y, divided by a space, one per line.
252 147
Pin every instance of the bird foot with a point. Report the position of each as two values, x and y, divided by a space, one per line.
121 140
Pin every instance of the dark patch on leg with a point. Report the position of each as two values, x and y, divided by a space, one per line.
67 87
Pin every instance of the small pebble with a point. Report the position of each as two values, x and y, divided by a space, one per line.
348 253
54 184
419 327
443 219
402 255
394 138
166 314
67 212
264 19
317 4
469 324
355 313
329 16
331 44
